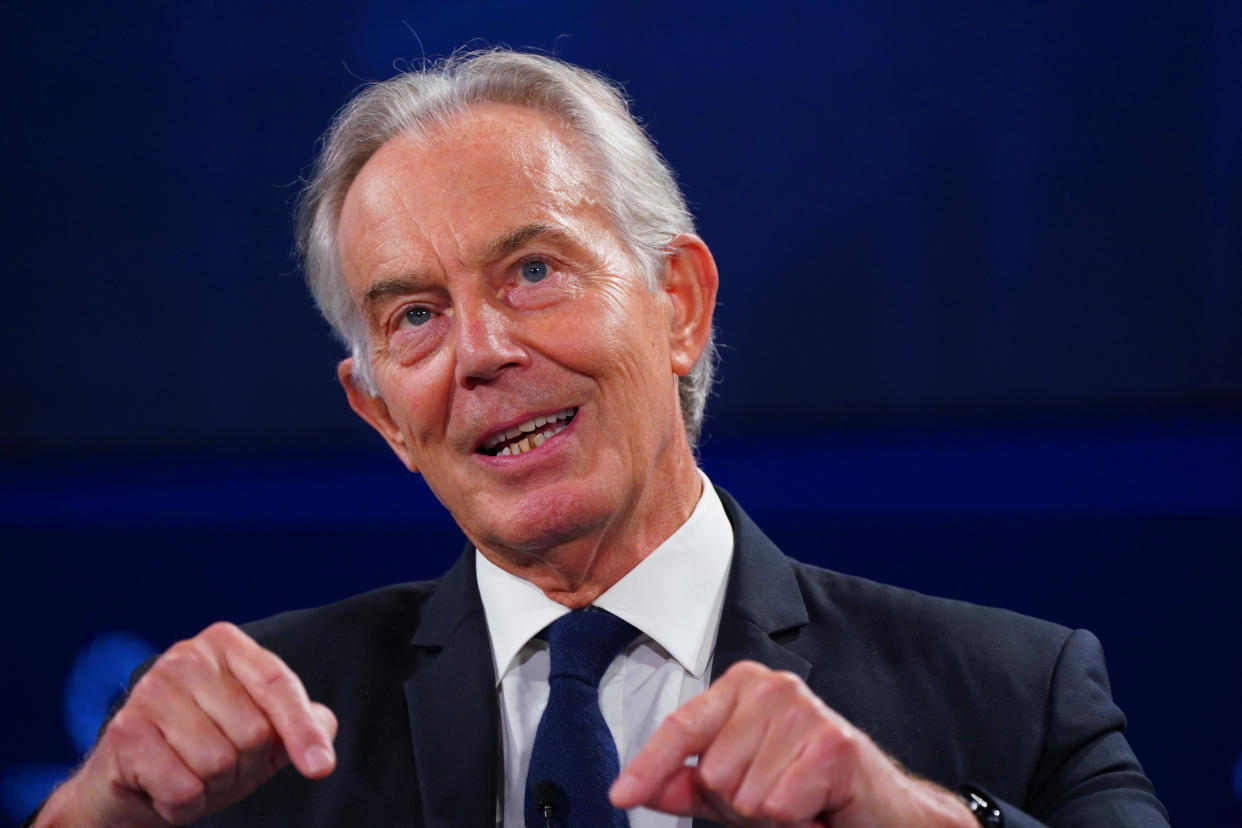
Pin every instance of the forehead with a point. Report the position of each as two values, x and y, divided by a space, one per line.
491 165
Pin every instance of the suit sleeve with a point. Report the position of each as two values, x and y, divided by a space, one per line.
1087 775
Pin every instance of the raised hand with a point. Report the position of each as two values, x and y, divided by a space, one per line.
215 717
771 753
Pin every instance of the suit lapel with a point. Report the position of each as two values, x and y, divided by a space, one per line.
762 605
451 699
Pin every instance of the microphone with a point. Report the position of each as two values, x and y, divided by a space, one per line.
545 796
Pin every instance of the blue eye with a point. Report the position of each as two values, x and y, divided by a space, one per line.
418 316
534 271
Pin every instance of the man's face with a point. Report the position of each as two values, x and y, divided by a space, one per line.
523 365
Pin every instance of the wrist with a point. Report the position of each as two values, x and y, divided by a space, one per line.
71 805
57 810
953 812
933 806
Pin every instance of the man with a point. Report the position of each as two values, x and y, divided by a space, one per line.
528 313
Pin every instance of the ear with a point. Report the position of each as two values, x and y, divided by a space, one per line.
690 283
375 412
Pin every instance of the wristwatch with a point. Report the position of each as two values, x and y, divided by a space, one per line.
983 808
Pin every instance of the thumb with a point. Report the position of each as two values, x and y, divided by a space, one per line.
325 754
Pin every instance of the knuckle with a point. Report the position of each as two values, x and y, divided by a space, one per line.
778 693
746 670
787 679
125 726
777 810
788 685
274 684
712 775
186 791
684 718
822 750
184 655
218 764
182 798
150 686
775 689
835 745
254 733
221 631
328 719
850 742
747 810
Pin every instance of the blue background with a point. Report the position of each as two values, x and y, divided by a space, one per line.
981 301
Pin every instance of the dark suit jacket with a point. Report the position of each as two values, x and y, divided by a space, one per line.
955 692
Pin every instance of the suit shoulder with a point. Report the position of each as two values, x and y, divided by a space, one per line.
903 621
380 619
891 660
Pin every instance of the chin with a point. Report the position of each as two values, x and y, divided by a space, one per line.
540 521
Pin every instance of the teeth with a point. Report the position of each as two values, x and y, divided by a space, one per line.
533 438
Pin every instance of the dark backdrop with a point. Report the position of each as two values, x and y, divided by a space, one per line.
981 300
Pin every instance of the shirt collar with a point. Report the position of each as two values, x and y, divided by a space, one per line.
674 595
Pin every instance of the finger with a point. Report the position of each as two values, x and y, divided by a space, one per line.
683 795
781 788
279 693
147 765
279 758
686 732
820 780
751 734
188 730
792 719
326 718
770 765
259 752
199 685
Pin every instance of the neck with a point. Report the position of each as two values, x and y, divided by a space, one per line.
576 572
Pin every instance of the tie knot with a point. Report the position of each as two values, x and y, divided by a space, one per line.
583 643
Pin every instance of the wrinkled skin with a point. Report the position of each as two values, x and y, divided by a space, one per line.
437 245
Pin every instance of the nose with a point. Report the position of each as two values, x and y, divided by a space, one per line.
485 343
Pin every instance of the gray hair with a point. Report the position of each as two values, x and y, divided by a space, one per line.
639 193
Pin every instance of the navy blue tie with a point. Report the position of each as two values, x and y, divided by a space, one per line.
574 753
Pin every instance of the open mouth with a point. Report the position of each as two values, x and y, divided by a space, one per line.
531 434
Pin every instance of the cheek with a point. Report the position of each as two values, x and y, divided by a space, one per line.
419 398
631 318
621 342
607 342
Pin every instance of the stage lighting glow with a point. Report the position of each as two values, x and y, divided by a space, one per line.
99 676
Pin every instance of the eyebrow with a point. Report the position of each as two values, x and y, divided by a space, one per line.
514 239
490 251
387 288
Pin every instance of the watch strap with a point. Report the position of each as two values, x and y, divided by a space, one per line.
981 805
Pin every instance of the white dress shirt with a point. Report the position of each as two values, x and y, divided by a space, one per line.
674 597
